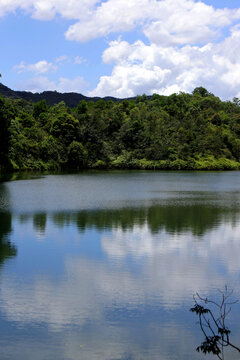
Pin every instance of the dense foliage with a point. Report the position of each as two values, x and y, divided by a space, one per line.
181 131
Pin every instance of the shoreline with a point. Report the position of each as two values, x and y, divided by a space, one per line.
15 174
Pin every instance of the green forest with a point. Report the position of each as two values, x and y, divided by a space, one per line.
196 131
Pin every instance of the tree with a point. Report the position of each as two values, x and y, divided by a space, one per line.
82 107
65 127
201 91
212 321
77 155
39 108
6 114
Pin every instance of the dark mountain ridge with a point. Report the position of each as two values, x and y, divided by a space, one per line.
52 97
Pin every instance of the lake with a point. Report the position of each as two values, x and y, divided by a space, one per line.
104 265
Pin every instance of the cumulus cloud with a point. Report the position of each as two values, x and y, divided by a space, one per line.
112 16
39 67
165 21
8 6
48 9
127 81
43 83
188 22
154 68
184 49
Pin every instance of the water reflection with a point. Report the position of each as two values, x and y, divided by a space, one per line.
160 263
40 222
7 250
173 218
121 309
117 282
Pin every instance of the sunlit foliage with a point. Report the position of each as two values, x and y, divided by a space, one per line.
180 131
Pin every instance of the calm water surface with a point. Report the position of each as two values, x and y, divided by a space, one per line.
104 265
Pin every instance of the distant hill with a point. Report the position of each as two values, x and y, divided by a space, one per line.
52 97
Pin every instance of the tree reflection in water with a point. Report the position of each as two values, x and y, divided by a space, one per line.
7 250
173 218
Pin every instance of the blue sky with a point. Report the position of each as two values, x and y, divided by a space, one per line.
121 47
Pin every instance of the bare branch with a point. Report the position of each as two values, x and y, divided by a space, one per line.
212 323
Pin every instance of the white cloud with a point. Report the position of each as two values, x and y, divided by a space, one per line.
188 22
112 16
39 67
140 68
166 22
71 85
185 50
79 60
61 59
73 9
129 80
48 9
42 83
7 6
185 45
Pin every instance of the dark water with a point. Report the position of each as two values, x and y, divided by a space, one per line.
104 265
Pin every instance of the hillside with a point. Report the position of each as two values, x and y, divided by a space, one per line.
182 131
